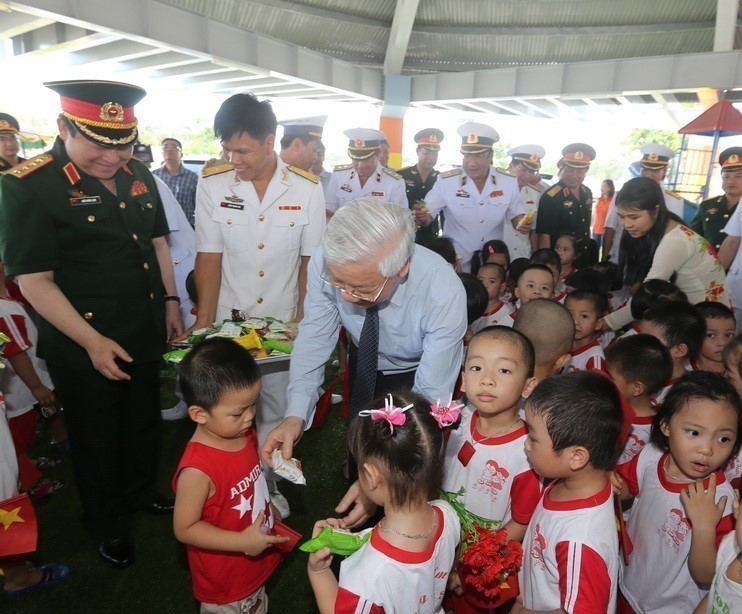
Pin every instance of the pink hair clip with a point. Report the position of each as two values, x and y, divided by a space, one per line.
490 249
445 415
390 412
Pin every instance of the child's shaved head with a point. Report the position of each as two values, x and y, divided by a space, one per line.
549 326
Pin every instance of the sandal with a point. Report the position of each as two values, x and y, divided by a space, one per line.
50 575
45 487
44 462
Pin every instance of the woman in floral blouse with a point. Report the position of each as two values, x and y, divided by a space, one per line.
656 245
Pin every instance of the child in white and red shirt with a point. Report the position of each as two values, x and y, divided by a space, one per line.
397 443
570 551
681 329
222 504
588 309
638 365
498 312
673 524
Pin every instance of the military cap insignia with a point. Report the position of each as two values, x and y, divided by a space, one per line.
733 159
359 143
471 138
29 166
579 155
432 138
653 157
138 188
112 112
302 173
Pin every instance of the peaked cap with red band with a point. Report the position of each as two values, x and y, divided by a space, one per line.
577 155
103 111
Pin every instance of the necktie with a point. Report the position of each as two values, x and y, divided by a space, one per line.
367 362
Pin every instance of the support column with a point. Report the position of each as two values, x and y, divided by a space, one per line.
726 24
391 123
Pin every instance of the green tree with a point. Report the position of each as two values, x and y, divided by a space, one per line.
640 136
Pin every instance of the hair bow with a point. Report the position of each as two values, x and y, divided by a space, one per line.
445 415
490 249
390 412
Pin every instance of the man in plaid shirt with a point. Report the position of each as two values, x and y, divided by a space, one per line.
179 179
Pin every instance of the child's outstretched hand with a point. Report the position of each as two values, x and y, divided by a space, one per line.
254 541
319 561
618 484
700 504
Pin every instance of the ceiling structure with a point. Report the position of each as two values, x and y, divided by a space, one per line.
541 58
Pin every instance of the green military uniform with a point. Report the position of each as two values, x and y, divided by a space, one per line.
562 212
416 191
710 219
98 245
5 165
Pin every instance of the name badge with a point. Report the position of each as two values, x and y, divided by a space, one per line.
380 194
227 205
289 207
85 200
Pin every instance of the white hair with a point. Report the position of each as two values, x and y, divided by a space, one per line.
367 230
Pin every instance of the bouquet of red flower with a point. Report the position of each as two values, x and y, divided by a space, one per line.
488 561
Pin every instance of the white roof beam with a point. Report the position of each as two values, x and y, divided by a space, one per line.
399 36
216 75
605 78
117 50
726 24
502 105
152 62
660 99
601 31
159 24
307 9
14 23
538 108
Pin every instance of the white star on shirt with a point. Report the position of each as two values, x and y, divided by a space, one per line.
245 505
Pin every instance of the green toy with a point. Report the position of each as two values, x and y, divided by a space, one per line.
338 541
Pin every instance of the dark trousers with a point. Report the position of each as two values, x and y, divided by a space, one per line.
384 385
114 430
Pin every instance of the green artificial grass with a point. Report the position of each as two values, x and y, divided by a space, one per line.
159 580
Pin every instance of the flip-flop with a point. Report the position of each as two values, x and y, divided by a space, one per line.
44 462
45 487
50 575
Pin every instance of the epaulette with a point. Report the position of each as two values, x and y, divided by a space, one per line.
405 168
216 170
674 194
302 173
392 173
342 167
504 171
555 189
29 166
452 173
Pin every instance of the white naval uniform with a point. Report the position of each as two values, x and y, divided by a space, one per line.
673 203
261 243
345 187
474 217
182 241
519 245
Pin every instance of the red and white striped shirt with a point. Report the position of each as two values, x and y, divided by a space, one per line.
570 555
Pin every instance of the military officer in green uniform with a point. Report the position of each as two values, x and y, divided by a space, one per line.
714 213
566 207
83 230
10 132
419 178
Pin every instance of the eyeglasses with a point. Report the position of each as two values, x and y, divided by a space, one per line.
351 292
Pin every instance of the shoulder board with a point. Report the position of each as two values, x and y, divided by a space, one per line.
216 170
674 194
392 173
302 173
452 173
555 189
504 171
342 167
29 166
405 168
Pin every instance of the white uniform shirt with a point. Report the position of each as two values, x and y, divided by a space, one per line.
382 578
589 357
673 203
8 459
657 578
345 187
725 595
641 427
260 241
501 316
182 242
519 244
473 217
570 555
495 472
734 276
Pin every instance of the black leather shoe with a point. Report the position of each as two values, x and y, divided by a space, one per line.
160 505
118 552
